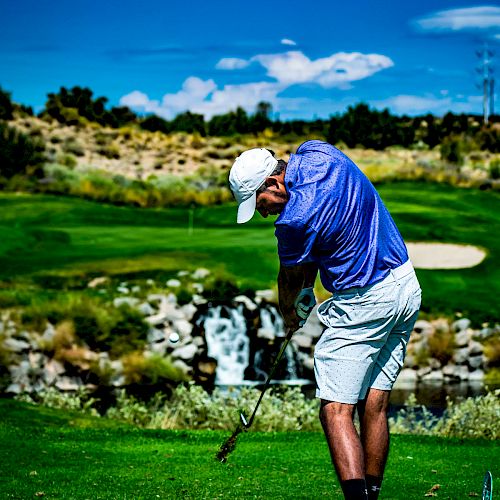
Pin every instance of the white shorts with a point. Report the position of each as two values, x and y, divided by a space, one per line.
368 329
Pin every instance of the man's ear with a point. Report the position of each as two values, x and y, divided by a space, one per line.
271 182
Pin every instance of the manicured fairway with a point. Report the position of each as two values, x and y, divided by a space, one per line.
42 235
63 455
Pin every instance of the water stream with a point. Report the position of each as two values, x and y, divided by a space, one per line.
228 342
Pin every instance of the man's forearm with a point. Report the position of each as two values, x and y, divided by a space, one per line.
291 280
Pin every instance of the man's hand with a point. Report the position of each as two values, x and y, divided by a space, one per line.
292 280
304 304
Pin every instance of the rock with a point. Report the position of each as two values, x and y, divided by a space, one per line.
475 348
186 352
302 341
410 361
200 274
462 338
128 301
15 388
188 311
49 333
136 289
146 309
476 376
460 325
484 333
155 335
407 375
423 328
15 345
198 342
36 360
476 361
197 287
422 372
462 372
249 304
157 319
101 280
123 289
183 274
2 327
308 363
434 376
51 371
267 295
460 356
182 366
173 283
434 363
183 327
68 383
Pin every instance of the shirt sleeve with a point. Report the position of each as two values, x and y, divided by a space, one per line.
295 243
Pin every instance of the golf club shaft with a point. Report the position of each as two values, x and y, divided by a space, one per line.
271 373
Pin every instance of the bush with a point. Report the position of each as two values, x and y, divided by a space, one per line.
19 154
101 326
451 150
477 417
139 369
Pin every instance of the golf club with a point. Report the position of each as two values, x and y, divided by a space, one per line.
245 424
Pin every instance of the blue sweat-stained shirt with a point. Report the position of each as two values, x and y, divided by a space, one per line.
335 217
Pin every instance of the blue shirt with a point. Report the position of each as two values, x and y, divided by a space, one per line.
335 217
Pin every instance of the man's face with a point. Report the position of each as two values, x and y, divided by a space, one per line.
272 201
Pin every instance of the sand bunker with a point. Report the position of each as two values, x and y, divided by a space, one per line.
444 255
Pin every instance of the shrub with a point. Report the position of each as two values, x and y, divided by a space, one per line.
451 150
495 168
441 346
473 418
19 154
139 369
51 397
477 417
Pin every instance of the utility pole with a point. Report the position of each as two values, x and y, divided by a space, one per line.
485 70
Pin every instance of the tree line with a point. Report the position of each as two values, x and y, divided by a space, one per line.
358 126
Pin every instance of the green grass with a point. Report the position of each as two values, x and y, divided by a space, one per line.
50 235
65 455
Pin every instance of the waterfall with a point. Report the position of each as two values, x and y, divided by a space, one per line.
228 342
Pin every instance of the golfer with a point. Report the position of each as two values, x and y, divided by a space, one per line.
332 220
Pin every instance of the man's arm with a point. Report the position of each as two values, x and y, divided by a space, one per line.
291 280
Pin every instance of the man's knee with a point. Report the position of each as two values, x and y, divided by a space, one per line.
376 403
331 411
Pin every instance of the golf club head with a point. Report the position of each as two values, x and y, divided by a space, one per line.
244 421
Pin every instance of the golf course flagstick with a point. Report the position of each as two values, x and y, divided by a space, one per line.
230 444
487 486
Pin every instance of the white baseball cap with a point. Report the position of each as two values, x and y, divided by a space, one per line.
248 173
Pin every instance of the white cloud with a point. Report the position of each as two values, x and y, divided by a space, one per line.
287 41
336 70
139 100
232 63
205 97
414 104
470 18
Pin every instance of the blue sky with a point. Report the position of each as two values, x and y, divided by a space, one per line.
309 59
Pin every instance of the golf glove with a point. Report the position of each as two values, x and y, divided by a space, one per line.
304 304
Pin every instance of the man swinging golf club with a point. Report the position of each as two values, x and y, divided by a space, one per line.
332 220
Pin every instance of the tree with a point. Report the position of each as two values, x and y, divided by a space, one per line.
19 153
6 105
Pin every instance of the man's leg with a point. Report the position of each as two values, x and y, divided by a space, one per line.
345 447
374 437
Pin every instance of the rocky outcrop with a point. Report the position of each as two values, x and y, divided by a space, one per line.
439 352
